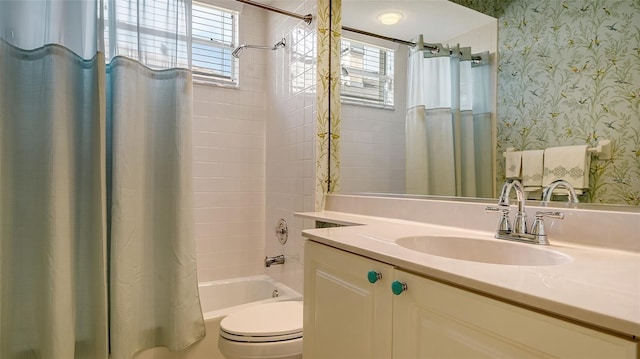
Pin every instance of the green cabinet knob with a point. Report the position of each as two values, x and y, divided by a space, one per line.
373 276
398 287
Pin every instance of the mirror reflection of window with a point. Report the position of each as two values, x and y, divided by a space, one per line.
367 77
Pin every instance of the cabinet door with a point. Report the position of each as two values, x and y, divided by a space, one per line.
434 320
345 316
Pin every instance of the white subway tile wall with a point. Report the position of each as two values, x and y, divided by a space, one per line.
229 164
254 154
290 161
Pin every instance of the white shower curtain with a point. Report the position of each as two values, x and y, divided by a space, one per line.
53 291
95 180
483 125
446 127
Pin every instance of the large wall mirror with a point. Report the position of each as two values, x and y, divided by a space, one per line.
533 76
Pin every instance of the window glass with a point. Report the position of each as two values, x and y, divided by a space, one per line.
214 34
366 74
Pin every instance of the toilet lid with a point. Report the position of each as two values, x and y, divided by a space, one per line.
265 322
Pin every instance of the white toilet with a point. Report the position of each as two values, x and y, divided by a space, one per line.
272 330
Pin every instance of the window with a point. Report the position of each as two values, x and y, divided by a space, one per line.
367 74
146 32
302 60
214 34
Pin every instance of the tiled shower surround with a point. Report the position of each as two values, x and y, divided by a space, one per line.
253 151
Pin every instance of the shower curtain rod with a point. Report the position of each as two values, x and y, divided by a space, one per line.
307 18
367 33
428 47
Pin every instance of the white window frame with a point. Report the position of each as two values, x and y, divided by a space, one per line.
208 75
380 96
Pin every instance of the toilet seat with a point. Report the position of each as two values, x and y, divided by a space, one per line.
264 323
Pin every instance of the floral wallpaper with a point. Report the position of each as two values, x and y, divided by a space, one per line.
569 74
329 21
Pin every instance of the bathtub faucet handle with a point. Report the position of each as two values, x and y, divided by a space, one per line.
268 261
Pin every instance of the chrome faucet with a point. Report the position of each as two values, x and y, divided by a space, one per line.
519 232
571 192
268 261
520 221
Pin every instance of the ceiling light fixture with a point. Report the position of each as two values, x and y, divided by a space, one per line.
389 17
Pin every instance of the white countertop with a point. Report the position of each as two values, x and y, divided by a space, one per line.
600 287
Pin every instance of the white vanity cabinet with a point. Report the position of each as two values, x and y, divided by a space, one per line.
435 320
348 317
345 316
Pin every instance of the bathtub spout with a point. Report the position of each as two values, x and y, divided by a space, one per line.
268 261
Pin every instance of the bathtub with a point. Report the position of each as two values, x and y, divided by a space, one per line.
218 299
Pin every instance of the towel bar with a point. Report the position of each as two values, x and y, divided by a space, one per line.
602 150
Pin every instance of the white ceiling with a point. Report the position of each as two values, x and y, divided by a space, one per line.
437 20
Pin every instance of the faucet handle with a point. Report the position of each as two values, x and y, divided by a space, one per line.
550 214
503 209
537 228
504 226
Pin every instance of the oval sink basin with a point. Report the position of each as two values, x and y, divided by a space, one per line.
485 251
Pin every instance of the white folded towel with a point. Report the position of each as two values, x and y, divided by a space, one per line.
570 163
513 164
532 166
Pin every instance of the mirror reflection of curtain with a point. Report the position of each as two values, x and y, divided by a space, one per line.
483 126
448 126
96 229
